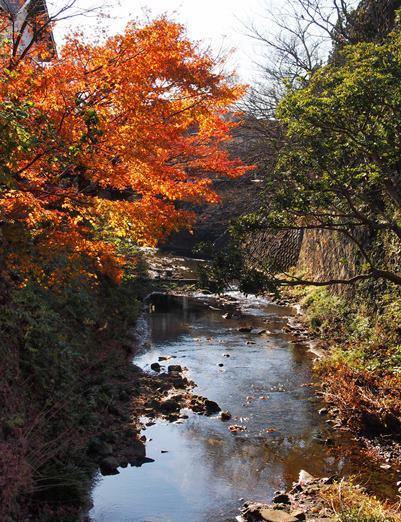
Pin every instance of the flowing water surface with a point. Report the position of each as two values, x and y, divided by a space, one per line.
203 472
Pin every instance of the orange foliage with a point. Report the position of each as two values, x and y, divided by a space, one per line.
111 134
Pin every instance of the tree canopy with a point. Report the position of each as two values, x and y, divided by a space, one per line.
108 136
340 168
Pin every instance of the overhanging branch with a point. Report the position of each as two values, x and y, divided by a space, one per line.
373 274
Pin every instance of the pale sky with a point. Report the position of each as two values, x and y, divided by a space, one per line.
218 23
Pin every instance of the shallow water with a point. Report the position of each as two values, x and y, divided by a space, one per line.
202 471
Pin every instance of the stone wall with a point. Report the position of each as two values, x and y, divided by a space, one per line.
317 254
274 250
327 255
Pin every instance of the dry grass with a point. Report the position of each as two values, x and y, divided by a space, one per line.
351 503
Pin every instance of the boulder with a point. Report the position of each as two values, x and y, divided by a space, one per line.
282 498
177 380
225 415
124 396
110 437
330 480
137 447
211 407
174 368
114 409
155 367
305 477
261 512
276 515
372 423
135 453
109 466
169 406
145 460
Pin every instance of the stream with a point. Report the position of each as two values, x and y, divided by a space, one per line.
203 472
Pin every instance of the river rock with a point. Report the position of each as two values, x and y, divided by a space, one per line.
305 477
225 415
211 407
169 406
282 498
174 368
260 512
135 453
155 367
109 466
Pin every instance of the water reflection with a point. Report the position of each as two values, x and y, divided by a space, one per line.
207 469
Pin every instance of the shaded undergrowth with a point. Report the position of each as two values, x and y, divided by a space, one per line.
60 352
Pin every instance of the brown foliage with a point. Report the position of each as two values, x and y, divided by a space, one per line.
368 401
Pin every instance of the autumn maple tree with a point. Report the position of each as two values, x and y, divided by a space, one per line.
108 136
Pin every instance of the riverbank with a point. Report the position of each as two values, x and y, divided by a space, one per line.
358 369
245 356
321 500
66 380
